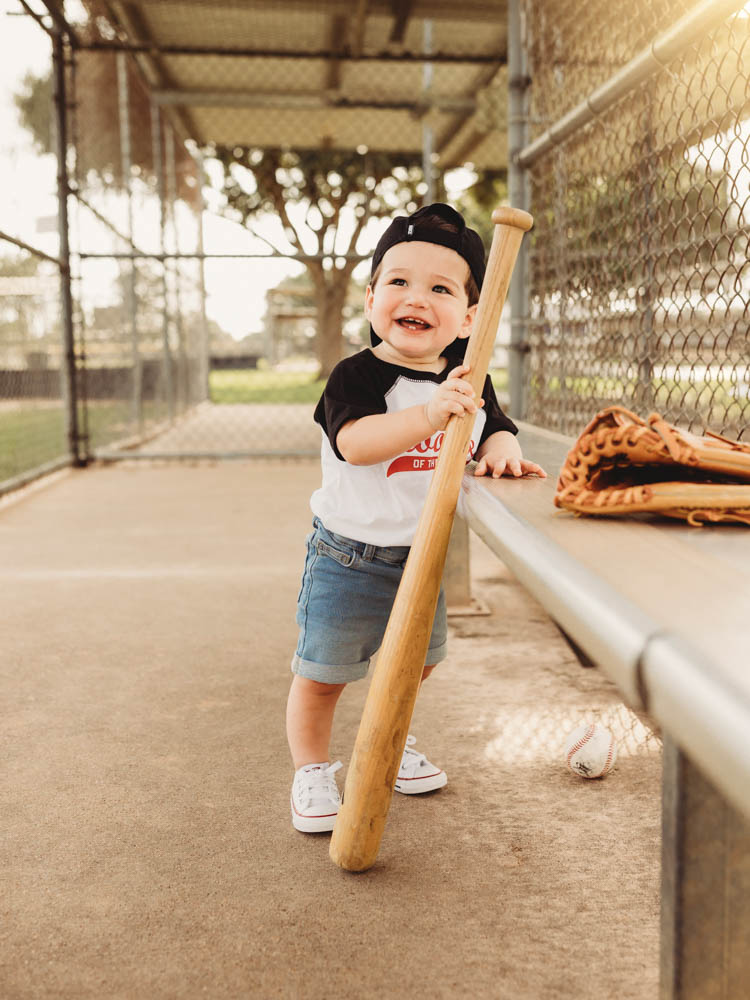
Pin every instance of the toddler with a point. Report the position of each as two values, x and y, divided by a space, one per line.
383 414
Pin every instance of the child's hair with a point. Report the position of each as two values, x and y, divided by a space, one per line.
434 221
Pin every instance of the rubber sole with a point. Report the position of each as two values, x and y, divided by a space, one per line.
313 824
416 786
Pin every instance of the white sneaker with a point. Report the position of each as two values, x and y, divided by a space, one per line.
416 774
315 798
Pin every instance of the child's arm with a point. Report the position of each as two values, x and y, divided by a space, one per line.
500 454
382 436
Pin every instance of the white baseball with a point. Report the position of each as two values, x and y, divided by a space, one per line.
591 751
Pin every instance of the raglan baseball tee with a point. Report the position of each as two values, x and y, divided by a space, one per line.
380 504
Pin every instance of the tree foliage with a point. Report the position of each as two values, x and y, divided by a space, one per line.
95 126
323 201
34 105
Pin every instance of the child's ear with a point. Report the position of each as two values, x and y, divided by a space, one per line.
368 301
468 322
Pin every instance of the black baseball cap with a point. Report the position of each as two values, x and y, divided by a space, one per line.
420 227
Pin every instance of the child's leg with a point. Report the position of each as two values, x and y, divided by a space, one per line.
309 719
428 670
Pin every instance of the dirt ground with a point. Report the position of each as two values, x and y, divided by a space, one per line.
147 849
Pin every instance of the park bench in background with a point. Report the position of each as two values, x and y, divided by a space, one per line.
664 609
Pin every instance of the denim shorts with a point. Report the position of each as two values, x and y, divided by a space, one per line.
348 589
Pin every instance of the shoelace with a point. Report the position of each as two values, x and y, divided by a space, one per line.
412 759
319 782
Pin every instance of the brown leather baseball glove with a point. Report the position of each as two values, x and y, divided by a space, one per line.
622 464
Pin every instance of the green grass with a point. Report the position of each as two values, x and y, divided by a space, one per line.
33 435
30 437
249 385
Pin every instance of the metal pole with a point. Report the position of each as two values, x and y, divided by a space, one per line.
701 19
68 368
519 196
205 353
428 168
126 162
705 887
156 142
182 361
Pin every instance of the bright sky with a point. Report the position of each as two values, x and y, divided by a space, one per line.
236 288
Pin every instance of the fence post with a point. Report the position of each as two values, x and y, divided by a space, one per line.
519 197
205 347
156 141
68 367
183 379
126 160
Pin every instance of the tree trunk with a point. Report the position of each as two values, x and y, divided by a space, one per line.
330 296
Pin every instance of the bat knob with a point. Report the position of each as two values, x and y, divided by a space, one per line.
516 217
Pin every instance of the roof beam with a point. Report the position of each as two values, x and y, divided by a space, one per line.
358 28
57 12
306 101
344 54
126 17
474 136
338 30
402 10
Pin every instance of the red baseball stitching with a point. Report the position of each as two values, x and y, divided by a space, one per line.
581 743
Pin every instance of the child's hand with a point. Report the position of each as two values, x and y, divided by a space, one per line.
500 455
455 395
508 467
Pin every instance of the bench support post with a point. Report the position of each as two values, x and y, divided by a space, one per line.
705 916
457 573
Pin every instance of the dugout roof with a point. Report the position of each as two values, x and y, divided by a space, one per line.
322 73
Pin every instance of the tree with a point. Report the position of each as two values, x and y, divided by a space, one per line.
25 330
95 125
476 203
321 202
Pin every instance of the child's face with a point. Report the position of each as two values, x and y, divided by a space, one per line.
419 303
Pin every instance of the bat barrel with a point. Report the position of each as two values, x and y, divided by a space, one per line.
393 691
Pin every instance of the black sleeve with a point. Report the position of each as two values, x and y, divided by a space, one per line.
496 419
351 392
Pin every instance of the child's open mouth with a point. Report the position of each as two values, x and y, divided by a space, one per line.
411 323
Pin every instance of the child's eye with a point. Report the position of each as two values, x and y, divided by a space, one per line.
441 288
397 281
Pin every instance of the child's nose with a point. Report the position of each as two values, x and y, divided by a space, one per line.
416 296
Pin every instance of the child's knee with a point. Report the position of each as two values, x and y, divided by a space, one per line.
428 670
318 689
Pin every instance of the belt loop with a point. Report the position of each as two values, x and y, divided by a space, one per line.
368 553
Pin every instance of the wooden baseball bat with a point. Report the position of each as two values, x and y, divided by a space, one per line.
393 691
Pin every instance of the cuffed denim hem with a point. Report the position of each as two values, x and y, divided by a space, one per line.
326 673
436 655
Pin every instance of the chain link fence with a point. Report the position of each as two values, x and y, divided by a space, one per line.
303 146
639 272
33 410
141 326
210 332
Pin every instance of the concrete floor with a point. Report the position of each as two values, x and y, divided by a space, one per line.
147 850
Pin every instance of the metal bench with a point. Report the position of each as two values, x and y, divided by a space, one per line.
664 610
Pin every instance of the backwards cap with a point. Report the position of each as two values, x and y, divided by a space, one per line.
419 227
